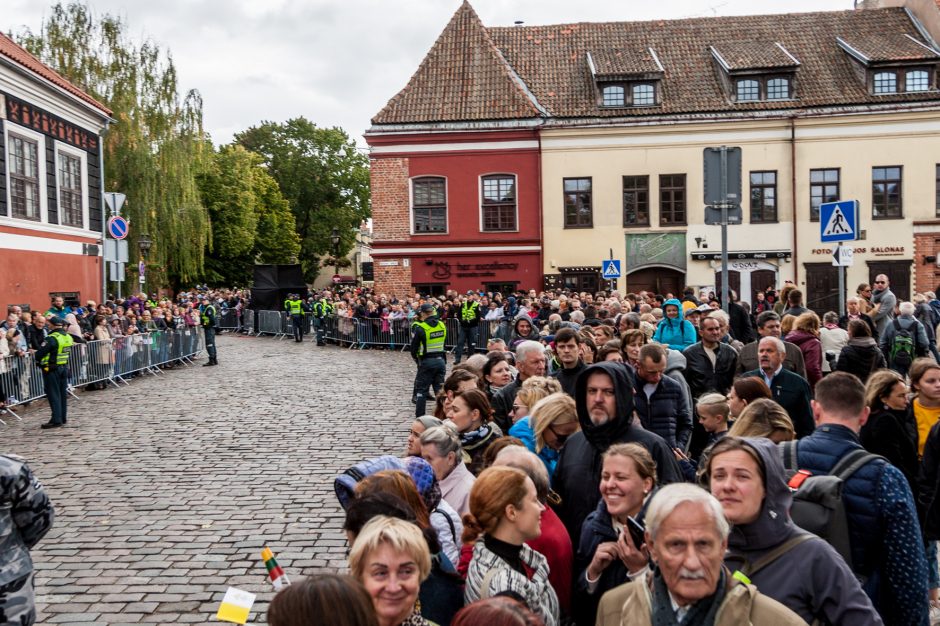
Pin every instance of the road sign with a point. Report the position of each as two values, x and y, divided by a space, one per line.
838 221
842 256
610 268
713 215
115 201
117 227
337 279
115 250
713 176
116 272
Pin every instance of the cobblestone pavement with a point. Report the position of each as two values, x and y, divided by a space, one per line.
166 490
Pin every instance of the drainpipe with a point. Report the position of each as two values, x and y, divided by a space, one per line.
538 165
796 256
104 214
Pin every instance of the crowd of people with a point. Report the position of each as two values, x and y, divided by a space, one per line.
652 459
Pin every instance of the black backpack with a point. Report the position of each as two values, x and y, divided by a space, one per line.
817 500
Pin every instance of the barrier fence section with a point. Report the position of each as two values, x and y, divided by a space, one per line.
109 360
354 332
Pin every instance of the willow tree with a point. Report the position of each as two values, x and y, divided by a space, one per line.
156 145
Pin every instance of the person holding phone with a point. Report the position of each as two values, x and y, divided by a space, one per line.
610 552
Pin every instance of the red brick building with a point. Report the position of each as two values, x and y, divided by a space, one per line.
51 210
455 172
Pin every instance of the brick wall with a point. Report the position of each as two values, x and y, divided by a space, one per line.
926 275
389 182
390 221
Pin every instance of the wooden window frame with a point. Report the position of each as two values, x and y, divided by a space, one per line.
430 208
883 195
487 206
669 206
641 192
761 187
16 178
590 201
823 184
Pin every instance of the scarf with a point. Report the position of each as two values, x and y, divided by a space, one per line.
877 295
702 613
414 619
473 438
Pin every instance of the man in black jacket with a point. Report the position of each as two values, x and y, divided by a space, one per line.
740 321
790 390
568 351
710 366
660 401
604 398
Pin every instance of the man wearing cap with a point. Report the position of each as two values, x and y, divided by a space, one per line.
53 358
207 316
469 329
427 349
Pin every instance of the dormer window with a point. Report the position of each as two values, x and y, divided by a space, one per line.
626 78
756 71
748 90
891 64
613 96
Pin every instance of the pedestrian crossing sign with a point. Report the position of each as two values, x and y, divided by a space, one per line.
838 221
610 268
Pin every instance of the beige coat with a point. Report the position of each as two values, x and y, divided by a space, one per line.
630 604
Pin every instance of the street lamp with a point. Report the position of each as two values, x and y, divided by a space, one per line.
334 239
144 243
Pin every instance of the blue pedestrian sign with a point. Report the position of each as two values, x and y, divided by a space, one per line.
838 221
117 227
610 268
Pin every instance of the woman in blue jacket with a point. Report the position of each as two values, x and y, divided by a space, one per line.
674 330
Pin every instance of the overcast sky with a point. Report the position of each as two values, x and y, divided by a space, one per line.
336 62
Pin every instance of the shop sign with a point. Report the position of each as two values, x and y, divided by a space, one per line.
388 263
876 250
656 249
744 254
444 269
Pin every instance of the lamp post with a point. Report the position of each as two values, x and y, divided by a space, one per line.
143 243
334 239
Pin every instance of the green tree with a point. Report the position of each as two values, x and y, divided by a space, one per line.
156 146
250 219
323 177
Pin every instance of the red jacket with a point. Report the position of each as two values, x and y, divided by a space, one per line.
811 348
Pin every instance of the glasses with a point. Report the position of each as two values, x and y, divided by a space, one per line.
879 282
560 438
517 407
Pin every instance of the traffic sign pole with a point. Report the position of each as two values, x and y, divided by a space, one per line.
725 302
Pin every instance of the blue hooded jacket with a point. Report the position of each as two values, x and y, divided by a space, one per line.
677 333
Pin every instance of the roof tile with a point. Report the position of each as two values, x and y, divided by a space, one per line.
754 55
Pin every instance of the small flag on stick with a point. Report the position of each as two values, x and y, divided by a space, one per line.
278 578
236 606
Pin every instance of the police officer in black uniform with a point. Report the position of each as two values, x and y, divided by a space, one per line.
208 316
321 310
53 358
469 315
427 349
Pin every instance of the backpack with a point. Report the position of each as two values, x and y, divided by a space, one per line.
902 348
817 500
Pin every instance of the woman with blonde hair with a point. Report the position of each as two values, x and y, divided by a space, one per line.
764 418
554 418
532 390
505 512
390 558
805 335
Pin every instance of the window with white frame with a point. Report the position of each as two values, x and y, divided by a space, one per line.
643 95
429 204
613 96
885 82
499 202
748 90
71 205
23 167
916 80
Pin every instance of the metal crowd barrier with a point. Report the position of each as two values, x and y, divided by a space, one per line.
111 360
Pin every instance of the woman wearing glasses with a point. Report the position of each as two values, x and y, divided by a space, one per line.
554 418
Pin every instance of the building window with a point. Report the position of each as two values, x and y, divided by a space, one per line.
763 197
430 205
644 95
823 187
671 199
886 192
70 190
886 82
499 202
613 96
748 90
24 178
917 80
578 209
778 88
636 200
937 209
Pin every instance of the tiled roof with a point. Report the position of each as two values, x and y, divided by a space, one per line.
463 77
625 62
752 55
15 52
551 62
890 47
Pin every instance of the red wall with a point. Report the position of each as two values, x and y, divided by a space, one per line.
462 271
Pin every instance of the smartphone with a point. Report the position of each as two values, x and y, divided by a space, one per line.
637 532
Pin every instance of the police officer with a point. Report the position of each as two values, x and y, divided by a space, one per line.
53 358
25 516
427 349
468 331
295 308
321 310
207 315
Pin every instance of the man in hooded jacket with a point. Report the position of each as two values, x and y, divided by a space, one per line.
604 398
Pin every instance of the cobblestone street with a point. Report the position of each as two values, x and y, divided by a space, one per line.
166 490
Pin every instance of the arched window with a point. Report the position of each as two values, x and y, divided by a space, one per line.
778 88
612 96
748 90
643 95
